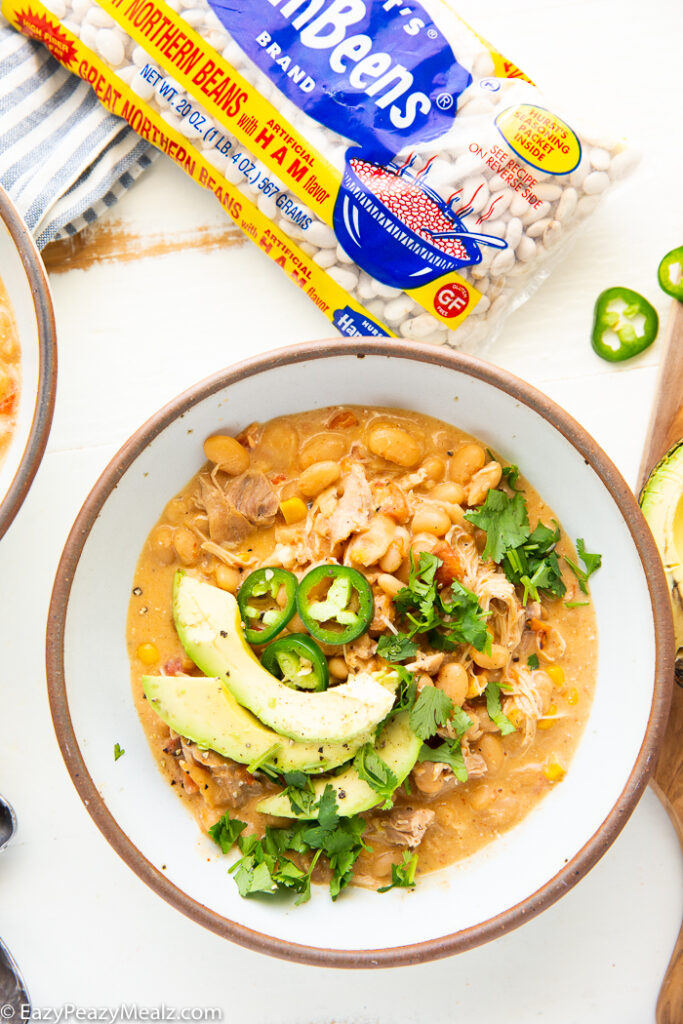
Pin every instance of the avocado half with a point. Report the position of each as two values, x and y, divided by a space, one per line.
662 503
397 745
206 713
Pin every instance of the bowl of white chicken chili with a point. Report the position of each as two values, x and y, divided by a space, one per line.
28 361
360 650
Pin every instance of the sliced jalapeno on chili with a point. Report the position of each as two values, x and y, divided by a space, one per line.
670 273
335 603
262 614
297 661
624 324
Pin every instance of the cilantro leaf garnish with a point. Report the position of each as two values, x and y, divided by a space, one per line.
118 751
406 691
532 661
420 594
299 780
467 620
505 521
450 753
260 763
591 561
511 476
534 564
397 648
528 557
402 875
460 721
226 831
299 792
339 838
496 713
253 875
376 772
451 615
432 709
264 866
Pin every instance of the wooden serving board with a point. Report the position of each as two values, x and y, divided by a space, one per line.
666 428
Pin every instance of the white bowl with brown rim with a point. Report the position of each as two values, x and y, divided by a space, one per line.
27 335
521 872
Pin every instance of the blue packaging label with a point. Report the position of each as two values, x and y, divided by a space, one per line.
378 72
354 325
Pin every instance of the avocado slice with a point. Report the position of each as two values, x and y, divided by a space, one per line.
208 622
203 711
662 503
397 744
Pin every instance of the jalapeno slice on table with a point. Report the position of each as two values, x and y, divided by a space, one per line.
670 273
297 661
624 324
264 612
335 603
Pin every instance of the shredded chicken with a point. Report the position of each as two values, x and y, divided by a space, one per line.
384 614
528 697
360 653
475 764
236 561
221 781
406 826
368 547
227 525
254 497
427 661
353 509
389 500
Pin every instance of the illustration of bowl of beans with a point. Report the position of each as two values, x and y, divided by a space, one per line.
397 228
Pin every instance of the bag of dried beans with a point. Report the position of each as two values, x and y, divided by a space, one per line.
405 175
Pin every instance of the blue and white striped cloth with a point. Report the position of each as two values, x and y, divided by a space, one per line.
63 158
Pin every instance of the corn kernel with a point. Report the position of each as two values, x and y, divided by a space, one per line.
148 654
293 510
556 673
476 685
548 721
573 696
515 716
554 771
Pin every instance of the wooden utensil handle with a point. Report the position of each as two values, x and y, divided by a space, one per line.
666 428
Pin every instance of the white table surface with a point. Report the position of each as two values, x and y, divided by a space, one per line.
134 333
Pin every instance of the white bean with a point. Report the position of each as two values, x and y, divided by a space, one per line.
325 258
536 229
600 159
526 250
595 183
567 204
348 279
514 232
548 191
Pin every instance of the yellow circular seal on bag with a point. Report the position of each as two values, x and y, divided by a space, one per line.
540 138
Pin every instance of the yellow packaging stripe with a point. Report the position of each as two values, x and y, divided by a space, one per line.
122 101
230 99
